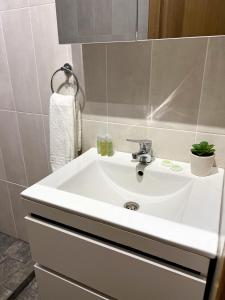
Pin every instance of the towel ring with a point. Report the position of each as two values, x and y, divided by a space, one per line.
67 69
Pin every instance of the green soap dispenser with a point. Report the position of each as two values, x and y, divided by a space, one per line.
99 139
110 151
103 146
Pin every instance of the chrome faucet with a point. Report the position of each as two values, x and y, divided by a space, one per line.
144 155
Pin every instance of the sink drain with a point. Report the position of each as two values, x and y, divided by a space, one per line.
131 205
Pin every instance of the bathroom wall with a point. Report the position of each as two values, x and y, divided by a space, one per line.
171 91
29 54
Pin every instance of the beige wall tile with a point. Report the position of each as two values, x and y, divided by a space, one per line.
6 216
19 211
40 2
49 54
2 167
94 57
6 94
166 143
172 144
47 139
128 75
176 80
34 148
91 130
212 109
12 4
120 133
218 141
11 148
20 51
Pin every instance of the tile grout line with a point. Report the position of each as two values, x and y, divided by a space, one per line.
7 64
38 84
24 112
3 162
13 183
150 81
11 209
83 95
26 6
136 125
150 127
201 95
17 121
106 86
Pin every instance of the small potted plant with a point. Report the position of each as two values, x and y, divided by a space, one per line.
202 158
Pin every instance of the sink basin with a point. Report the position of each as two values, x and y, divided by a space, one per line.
177 207
114 181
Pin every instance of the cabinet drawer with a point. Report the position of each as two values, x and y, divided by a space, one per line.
108 269
52 286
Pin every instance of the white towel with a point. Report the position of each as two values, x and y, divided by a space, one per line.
64 130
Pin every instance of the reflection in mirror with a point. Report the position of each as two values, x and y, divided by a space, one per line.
92 21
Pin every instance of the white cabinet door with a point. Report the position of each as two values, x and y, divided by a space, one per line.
52 286
109 269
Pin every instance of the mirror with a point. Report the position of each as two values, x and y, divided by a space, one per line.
91 21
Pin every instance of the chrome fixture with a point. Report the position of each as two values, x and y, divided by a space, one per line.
144 155
131 205
68 70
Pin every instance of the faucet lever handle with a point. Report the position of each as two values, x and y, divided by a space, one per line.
143 142
145 145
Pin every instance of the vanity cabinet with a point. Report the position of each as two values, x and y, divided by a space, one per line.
53 286
72 264
91 21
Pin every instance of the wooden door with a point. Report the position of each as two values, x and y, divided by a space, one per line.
180 18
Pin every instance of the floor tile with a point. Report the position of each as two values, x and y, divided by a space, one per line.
30 292
4 293
16 268
5 242
7 268
20 251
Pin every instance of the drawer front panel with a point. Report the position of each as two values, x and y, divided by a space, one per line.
52 286
108 269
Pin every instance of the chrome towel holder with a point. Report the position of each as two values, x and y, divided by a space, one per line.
68 70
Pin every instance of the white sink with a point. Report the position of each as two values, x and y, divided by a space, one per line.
162 194
177 207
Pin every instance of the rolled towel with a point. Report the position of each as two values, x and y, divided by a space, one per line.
63 130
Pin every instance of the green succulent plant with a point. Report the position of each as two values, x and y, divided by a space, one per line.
203 149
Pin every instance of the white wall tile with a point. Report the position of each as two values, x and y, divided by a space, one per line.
13 4
176 80
11 148
212 109
91 130
7 224
128 77
166 143
2 167
19 211
40 2
20 51
49 54
34 148
94 56
6 93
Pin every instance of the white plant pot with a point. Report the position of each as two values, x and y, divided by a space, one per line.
201 165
